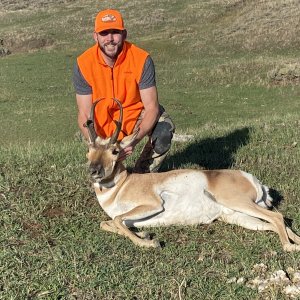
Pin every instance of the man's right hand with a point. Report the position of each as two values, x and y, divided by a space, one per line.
125 152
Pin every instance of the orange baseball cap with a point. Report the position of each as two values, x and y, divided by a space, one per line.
109 19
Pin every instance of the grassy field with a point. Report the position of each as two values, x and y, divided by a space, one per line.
227 72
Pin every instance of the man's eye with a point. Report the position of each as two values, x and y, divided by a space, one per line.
103 33
112 31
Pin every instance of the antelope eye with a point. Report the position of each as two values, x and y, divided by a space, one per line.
115 152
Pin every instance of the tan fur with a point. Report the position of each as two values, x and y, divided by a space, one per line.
178 197
227 185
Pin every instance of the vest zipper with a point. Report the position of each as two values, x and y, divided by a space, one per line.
112 87
112 82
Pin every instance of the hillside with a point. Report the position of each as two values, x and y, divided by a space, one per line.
250 25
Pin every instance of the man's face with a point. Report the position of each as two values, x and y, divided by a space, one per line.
110 42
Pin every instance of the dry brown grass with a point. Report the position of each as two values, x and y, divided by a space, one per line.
15 5
240 23
256 24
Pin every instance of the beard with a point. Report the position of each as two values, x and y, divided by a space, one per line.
111 50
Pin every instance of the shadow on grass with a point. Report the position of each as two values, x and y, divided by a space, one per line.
215 153
276 196
211 153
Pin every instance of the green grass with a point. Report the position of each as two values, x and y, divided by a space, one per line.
38 98
213 78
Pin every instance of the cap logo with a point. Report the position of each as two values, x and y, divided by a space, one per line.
109 18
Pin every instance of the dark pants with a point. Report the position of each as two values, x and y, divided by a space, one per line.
157 146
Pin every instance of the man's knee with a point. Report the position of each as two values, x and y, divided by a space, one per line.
161 137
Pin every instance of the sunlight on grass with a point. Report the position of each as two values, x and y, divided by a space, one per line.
227 73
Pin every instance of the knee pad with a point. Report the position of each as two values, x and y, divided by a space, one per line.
161 137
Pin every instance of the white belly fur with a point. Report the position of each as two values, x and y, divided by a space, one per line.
179 207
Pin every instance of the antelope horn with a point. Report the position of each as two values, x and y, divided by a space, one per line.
89 124
118 123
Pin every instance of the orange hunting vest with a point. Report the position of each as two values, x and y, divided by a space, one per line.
119 82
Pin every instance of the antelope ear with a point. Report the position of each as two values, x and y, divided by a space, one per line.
128 140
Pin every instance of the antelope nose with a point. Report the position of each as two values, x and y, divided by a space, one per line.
93 171
96 171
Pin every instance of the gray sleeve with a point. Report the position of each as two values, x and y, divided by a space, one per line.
80 84
148 75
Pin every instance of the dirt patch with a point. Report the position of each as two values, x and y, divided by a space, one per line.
34 230
53 212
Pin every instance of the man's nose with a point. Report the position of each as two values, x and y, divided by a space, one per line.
110 37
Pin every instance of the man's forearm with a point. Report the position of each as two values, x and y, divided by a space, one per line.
84 131
149 120
84 103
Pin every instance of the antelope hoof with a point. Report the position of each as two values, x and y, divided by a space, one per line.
143 235
156 243
148 243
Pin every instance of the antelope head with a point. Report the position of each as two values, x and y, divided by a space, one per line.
103 154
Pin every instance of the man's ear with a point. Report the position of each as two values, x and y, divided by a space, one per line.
128 140
95 36
124 34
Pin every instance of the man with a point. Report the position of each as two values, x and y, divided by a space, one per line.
115 68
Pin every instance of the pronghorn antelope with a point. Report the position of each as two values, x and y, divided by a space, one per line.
178 197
